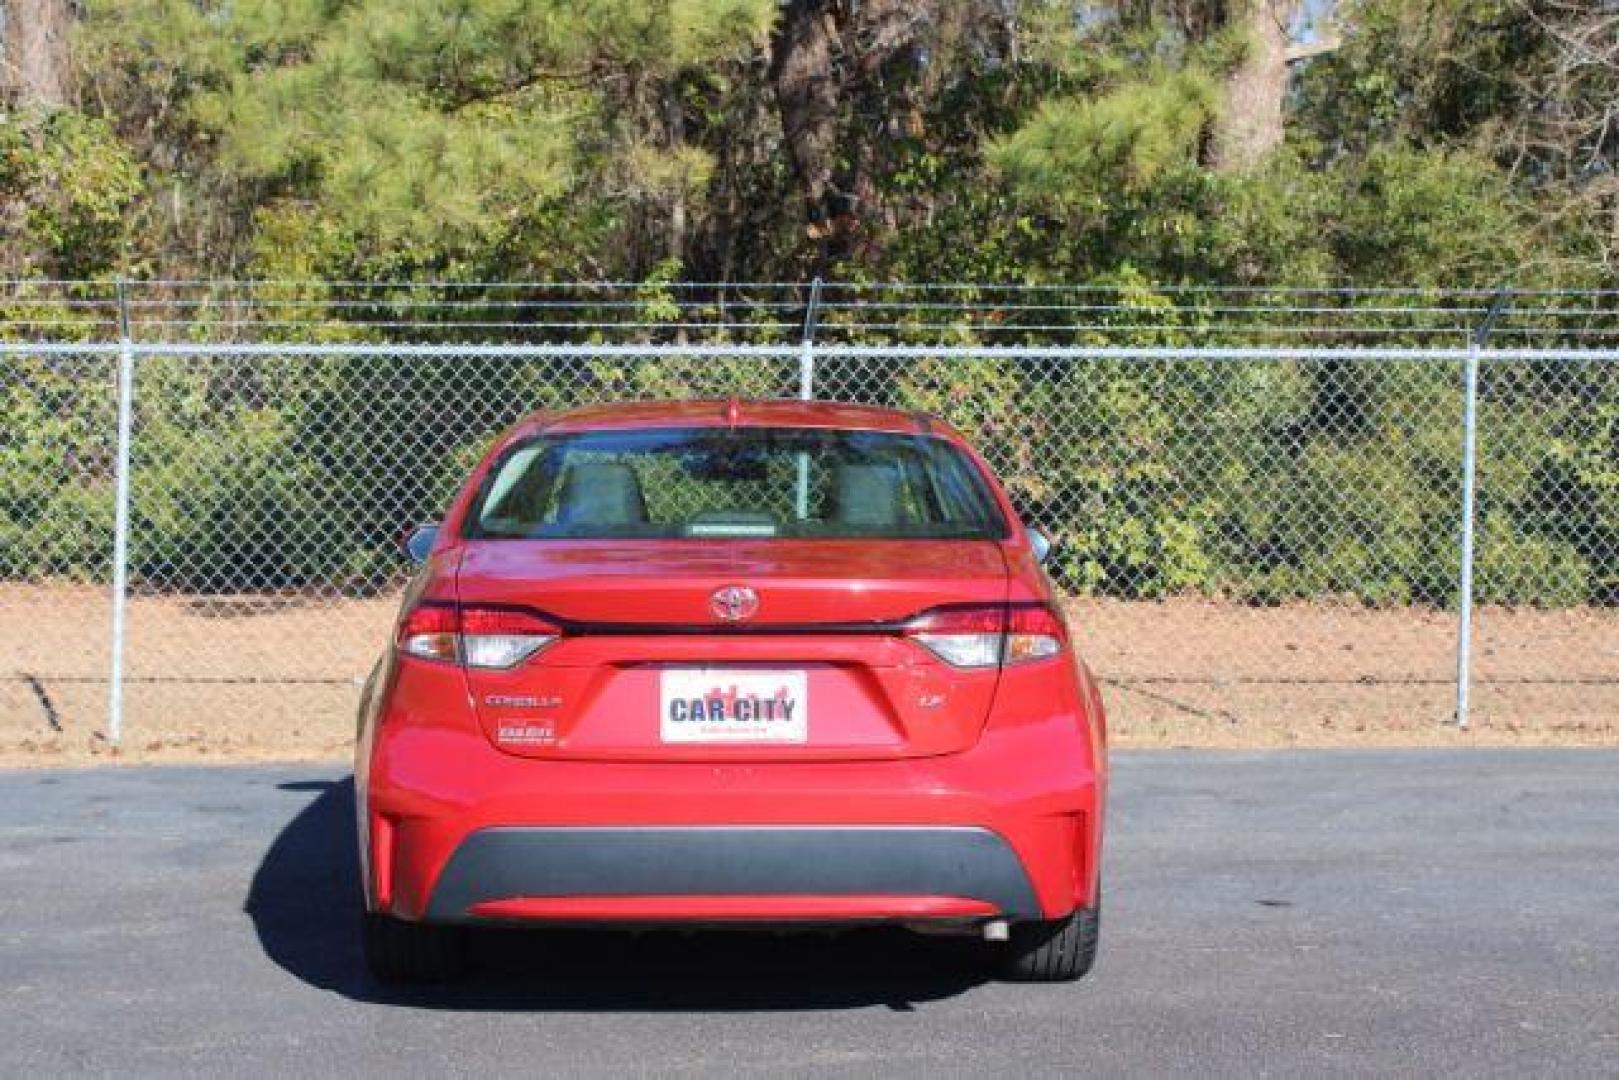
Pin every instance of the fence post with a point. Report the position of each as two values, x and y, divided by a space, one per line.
120 536
806 355
1464 630
806 389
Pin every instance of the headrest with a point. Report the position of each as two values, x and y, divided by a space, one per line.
601 493
869 495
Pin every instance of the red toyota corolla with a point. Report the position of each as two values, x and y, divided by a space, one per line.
731 663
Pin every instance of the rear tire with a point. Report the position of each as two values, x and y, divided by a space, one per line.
405 952
1058 950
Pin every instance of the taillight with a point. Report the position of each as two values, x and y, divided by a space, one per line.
502 637
431 632
480 637
961 637
1033 633
988 635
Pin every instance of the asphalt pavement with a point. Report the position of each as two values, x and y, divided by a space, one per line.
1282 913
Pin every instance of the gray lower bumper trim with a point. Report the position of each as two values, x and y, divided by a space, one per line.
505 863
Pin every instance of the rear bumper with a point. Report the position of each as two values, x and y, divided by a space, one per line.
731 909
502 873
455 831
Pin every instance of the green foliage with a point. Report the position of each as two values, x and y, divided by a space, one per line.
1433 218
480 139
70 181
55 466
476 140
1439 71
1080 154
425 133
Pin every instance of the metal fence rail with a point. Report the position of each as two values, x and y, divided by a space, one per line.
198 540
777 313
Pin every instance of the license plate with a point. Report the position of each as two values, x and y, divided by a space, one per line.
722 705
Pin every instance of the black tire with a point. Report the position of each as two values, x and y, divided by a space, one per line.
1060 950
404 952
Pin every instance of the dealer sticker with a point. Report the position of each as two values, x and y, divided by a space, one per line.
721 705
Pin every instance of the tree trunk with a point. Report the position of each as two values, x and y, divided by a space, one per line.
1250 125
34 52
674 135
829 67
807 96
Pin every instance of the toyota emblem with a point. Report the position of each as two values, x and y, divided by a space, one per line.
733 603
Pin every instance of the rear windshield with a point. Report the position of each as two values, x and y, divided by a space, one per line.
735 482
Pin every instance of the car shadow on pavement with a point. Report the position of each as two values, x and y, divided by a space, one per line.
305 905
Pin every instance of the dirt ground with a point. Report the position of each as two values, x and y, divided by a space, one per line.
257 678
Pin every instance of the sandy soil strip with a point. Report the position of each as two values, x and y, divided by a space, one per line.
257 678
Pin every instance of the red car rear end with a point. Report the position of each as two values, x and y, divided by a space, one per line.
731 663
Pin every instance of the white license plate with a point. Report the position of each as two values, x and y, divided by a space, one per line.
726 705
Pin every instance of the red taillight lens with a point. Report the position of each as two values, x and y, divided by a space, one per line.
431 632
1033 633
479 637
988 635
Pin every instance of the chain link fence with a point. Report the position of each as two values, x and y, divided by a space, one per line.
1251 533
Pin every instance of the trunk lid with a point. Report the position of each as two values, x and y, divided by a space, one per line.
643 651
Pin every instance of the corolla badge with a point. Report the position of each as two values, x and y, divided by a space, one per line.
733 603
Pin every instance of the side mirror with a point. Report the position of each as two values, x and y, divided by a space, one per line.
1040 541
418 543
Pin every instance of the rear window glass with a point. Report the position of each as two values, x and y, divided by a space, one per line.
735 482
